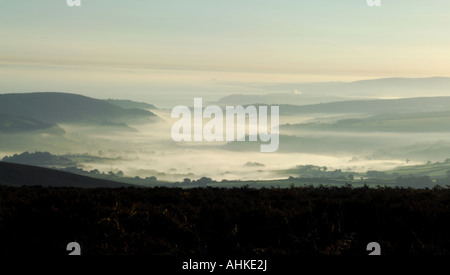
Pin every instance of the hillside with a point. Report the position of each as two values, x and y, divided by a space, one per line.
17 124
129 104
64 107
41 159
303 93
12 174
409 122
276 98
322 92
375 106
397 87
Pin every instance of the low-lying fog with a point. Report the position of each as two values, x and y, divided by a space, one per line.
149 150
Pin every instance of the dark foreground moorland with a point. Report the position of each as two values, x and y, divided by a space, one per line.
224 222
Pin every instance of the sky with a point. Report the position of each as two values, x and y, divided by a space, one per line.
157 50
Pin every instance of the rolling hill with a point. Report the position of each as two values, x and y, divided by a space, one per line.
407 122
129 104
316 92
276 98
12 174
17 124
374 106
63 107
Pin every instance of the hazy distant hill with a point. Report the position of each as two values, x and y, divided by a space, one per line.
430 122
63 107
397 87
279 98
129 104
18 175
41 159
376 106
323 92
301 93
17 124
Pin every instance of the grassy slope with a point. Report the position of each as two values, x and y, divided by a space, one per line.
12 174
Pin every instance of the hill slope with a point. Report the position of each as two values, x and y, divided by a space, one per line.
372 88
19 175
322 92
16 124
63 107
376 106
408 122
129 104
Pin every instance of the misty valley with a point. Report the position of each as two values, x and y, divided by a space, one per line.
358 142
107 174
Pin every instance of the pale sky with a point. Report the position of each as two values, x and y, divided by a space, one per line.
141 49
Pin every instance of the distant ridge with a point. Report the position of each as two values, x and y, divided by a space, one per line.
276 98
64 107
375 106
322 92
12 174
130 104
